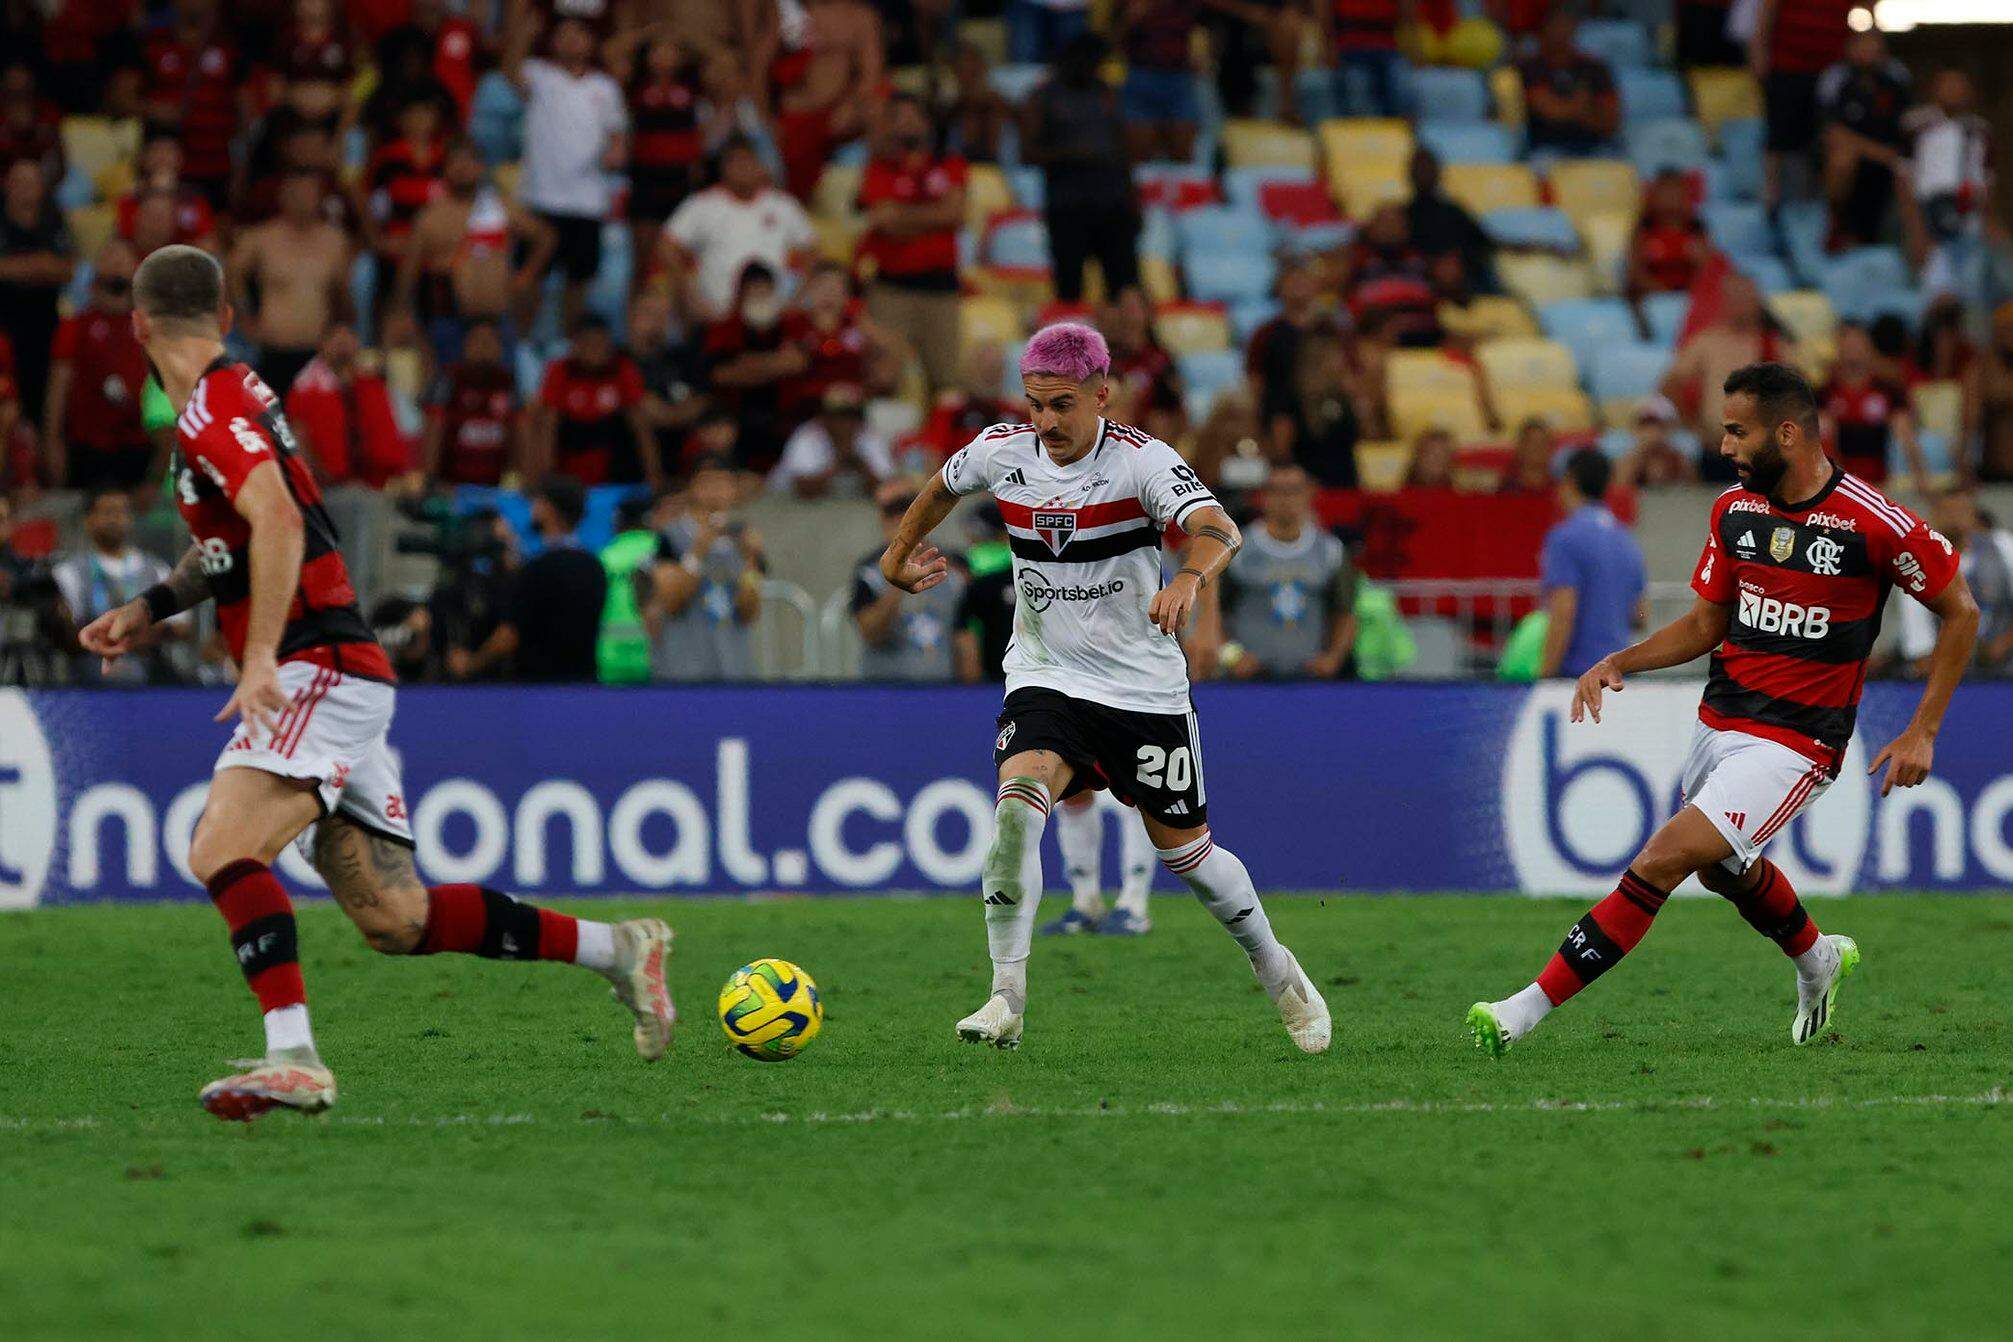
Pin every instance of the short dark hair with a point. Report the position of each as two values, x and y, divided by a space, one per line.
1780 393
179 284
1590 471
565 496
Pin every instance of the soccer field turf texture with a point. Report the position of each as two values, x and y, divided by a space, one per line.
1157 1161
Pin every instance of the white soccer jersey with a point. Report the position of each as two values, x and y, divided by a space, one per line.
1086 548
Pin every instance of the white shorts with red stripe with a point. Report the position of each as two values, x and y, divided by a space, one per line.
1749 787
333 733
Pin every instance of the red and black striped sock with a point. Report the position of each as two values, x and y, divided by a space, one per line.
261 919
475 920
1772 909
1599 940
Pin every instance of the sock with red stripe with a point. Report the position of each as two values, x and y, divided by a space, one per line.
1598 941
475 920
263 936
1011 882
1220 881
1771 908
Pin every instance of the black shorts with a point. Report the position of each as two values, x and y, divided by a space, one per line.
655 192
1149 760
578 257
1792 111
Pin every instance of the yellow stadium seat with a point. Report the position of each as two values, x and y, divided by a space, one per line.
1723 95
1381 467
1028 292
987 194
988 317
1427 372
988 35
838 191
1412 414
1588 186
911 79
1506 86
1619 412
1192 328
1939 407
1608 237
1253 143
1538 278
1566 409
91 227
1482 187
96 144
1807 314
1486 317
1160 280
1360 188
838 239
506 177
1428 390
1351 140
1527 361
115 180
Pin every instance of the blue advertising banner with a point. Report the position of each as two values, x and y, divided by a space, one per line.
835 788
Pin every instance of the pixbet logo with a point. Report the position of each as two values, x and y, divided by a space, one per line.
27 803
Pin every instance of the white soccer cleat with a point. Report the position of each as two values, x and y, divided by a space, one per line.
642 948
1303 1010
270 1083
995 1023
1814 1000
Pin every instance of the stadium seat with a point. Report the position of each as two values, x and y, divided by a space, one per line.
1664 316
1018 241
1156 233
1159 278
94 145
1743 138
1427 372
1723 95
1806 228
1030 188
1587 186
1537 226
496 119
987 193
988 318
1628 370
1192 328
1469 141
1347 141
1770 272
1608 237
1566 409
1805 313
839 240
1588 325
1222 230
1939 408
1015 82
1869 281
1444 95
1738 228
1622 43
837 194
1731 178
1485 317
1482 187
1527 361
1428 390
1649 94
1247 316
1248 142
1297 205
1381 467
1673 142
1245 187
1207 375
1538 278
1361 187
91 227
1506 90
1228 279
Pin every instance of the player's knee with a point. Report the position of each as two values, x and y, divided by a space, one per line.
392 921
211 850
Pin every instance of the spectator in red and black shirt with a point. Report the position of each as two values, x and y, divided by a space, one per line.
1862 99
914 201
841 344
1388 275
1570 102
474 424
92 435
1794 41
1159 97
196 89
30 125
666 135
403 176
1864 414
159 174
317 58
448 45
340 405
35 268
1363 34
1146 388
1670 243
589 424
749 356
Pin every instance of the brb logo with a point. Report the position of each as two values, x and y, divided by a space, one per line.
27 803
1580 799
1768 615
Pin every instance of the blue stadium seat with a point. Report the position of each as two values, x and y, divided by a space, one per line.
1733 178
1532 226
1866 282
1616 443
1805 226
1743 138
1214 278
1443 95
1649 94
496 118
1622 43
1156 234
597 524
1628 370
1030 187
1664 315
1019 242
1315 238
1588 325
1015 82
1247 316
1670 143
1469 141
1204 376
1736 227
1770 272
1242 185
1223 230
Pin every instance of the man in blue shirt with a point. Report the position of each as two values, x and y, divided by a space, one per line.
1592 572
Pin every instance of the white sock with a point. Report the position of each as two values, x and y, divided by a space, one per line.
1521 1012
1817 963
1135 851
1220 881
596 950
1079 832
1012 883
287 1029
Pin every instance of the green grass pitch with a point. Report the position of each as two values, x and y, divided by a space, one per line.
1156 1162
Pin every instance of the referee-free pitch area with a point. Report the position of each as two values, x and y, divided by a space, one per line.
1156 1162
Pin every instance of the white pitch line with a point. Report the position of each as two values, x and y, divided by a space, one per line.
1993 1098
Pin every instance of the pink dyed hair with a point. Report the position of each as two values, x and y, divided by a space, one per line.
1067 350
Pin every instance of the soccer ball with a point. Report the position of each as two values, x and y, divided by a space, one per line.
770 1010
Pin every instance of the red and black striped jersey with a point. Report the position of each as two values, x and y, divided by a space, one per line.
1808 35
231 425
1808 583
402 178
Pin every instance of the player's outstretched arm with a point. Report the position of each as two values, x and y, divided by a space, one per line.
117 632
907 562
1213 539
1908 757
1690 636
279 538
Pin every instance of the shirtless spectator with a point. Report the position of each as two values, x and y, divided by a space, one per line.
290 279
458 266
474 422
589 424
830 86
158 174
92 434
341 408
716 235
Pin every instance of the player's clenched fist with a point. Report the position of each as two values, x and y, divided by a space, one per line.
1172 603
114 634
1601 676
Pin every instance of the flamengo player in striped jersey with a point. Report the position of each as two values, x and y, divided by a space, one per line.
1797 565
313 702
1097 686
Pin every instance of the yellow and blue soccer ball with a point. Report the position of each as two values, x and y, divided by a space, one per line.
770 1010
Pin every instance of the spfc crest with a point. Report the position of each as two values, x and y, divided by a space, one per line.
1055 528
1782 544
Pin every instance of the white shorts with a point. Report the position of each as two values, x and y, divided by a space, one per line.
333 732
1749 787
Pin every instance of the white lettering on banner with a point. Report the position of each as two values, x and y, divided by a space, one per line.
1988 828
827 832
919 831
461 796
178 827
135 814
742 863
687 861
561 797
1939 801
27 803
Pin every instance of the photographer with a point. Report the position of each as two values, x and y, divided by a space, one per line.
707 592
552 620
478 566
35 623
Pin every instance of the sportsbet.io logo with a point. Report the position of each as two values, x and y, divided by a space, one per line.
27 803
1040 594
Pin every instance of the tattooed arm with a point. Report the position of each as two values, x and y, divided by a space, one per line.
117 632
1212 540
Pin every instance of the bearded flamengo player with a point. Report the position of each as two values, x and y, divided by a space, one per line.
1798 561
314 701
1097 685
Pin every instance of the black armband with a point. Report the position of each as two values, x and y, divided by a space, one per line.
162 603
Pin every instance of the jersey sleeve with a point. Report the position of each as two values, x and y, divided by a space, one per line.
970 469
1713 579
227 451
1168 486
1921 561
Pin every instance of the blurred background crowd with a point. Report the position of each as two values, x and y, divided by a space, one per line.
620 330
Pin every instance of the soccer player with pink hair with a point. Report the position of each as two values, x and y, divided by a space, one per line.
1097 687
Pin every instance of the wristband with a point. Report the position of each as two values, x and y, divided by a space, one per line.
162 603
1201 578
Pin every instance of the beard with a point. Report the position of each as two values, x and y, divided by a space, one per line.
1765 470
